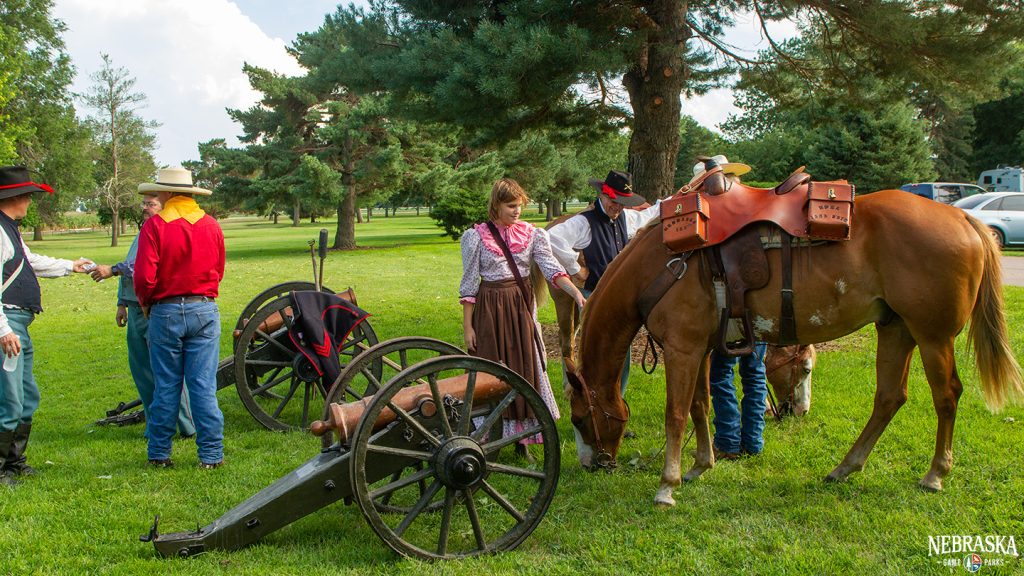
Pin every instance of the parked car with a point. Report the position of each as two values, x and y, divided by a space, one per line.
945 192
1002 212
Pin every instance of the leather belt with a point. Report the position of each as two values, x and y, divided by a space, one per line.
184 300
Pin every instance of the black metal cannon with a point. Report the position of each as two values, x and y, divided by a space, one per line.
275 383
421 453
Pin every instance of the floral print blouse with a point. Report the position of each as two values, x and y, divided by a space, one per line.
482 258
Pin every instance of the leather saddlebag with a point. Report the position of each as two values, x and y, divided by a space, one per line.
684 222
829 210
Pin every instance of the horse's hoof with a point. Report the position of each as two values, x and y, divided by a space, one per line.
930 485
664 503
664 499
833 478
693 474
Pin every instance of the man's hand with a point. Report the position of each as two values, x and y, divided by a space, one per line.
10 344
580 277
122 316
80 265
101 272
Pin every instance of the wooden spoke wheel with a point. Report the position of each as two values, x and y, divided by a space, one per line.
270 294
455 500
374 366
276 383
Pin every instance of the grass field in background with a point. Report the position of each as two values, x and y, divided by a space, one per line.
766 515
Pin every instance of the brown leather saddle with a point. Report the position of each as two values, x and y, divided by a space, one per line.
711 212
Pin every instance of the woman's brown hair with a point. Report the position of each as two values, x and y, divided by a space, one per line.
505 190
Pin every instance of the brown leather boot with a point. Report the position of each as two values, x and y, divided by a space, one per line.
16 463
6 441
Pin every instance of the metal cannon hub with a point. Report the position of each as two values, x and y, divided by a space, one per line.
304 370
460 463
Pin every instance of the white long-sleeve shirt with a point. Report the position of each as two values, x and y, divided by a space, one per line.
573 235
43 266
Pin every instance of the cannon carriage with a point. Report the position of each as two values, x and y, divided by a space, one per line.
421 453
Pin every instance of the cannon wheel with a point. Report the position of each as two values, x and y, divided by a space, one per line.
273 293
275 382
492 510
368 371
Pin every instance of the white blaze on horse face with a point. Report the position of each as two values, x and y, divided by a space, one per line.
841 286
583 450
802 391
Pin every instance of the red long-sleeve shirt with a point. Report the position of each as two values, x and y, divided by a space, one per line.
178 258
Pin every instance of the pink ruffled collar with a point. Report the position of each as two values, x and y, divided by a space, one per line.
517 236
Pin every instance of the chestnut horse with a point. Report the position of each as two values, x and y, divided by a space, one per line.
915 268
788 368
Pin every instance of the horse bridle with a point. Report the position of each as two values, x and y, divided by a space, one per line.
778 408
603 459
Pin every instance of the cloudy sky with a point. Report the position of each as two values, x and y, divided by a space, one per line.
187 56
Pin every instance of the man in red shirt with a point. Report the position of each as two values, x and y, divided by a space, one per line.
177 274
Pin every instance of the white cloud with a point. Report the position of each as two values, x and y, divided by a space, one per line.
186 56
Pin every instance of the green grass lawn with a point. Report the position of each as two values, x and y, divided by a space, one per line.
768 515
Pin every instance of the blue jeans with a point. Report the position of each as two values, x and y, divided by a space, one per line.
733 430
142 370
19 394
184 342
624 377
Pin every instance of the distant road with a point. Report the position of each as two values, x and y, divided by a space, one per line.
1013 270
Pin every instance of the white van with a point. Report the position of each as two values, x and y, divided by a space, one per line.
1002 179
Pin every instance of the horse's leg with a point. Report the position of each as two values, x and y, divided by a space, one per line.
895 345
680 378
568 317
704 457
940 368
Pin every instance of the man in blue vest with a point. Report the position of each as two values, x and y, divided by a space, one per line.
601 233
19 394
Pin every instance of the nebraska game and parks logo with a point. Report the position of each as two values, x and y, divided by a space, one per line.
973 551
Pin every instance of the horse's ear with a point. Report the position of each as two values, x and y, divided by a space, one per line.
570 374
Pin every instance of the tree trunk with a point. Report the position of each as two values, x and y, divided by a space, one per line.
115 225
345 235
274 216
37 233
654 84
417 209
369 213
296 213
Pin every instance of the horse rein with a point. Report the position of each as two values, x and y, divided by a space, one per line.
603 458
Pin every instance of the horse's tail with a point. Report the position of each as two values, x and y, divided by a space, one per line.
540 289
1000 373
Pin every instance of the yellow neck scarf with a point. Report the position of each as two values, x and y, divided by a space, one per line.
182 207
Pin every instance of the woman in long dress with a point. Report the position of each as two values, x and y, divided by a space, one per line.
499 317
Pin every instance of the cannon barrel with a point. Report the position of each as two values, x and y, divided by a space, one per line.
343 418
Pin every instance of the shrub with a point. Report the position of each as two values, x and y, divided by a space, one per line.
457 210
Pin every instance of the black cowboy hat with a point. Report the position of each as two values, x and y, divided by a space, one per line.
14 181
619 187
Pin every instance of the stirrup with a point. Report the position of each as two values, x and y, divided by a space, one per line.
740 347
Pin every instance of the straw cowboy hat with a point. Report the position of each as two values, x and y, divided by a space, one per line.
734 168
14 181
172 180
619 187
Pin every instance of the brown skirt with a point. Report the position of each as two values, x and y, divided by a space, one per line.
506 333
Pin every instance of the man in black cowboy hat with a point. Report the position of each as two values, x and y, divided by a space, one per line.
19 394
601 233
